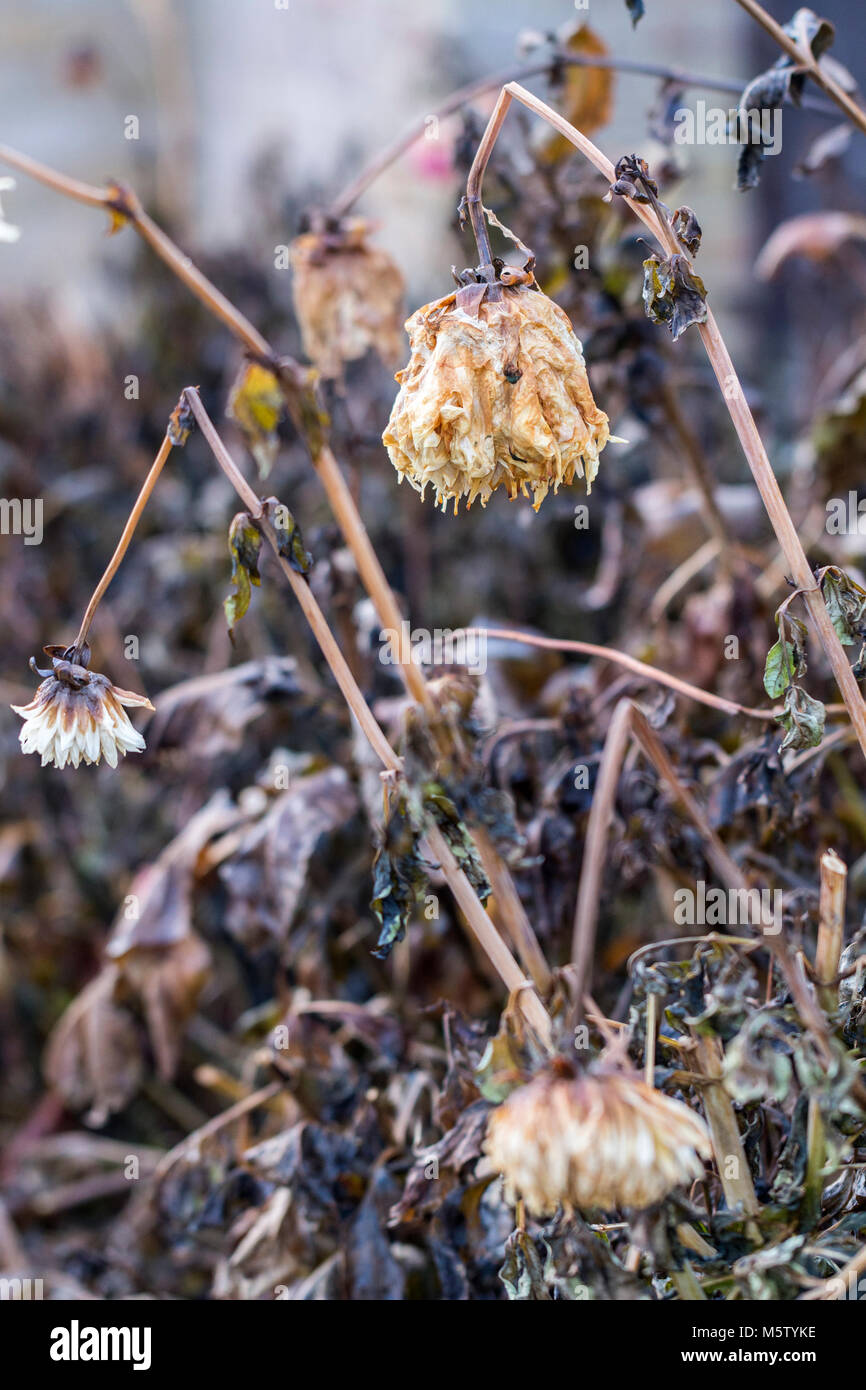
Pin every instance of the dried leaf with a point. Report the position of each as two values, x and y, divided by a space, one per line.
815 235
803 719
399 874
245 542
93 1056
289 539
673 294
687 229
586 95
256 404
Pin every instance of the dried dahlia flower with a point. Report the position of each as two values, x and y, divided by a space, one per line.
78 714
495 395
348 295
594 1141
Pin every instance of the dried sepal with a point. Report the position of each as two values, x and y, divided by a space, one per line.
495 394
348 295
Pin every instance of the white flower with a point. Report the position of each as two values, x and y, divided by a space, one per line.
7 231
77 715
602 1141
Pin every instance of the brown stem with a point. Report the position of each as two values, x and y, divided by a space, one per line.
123 544
804 58
479 922
631 663
473 190
728 1151
628 721
562 58
741 415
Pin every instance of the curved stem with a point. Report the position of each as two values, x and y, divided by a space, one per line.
464 95
631 663
123 544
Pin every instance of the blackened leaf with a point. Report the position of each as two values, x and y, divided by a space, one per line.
632 179
803 719
256 405
673 294
636 9
446 815
749 162
289 538
810 31
687 229
245 542
398 876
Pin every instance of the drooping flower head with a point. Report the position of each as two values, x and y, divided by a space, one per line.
77 715
496 394
602 1141
348 295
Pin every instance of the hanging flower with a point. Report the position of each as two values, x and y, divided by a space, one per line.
348 295
496 394
77 715
602 1141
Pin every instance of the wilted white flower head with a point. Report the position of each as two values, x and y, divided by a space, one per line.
496 394
7 231
348 295
604 1141
77 715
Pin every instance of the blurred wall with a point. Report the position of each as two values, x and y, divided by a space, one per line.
317 85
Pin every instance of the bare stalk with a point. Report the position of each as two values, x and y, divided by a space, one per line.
804 58
123 544
741 415
728 1151
627 722
479 922
631 663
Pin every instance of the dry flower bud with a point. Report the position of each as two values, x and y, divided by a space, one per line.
495 395
77 715
602 1141
348 296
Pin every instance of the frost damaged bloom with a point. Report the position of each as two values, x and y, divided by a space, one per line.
348 295
496 394
604 1141
77 715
